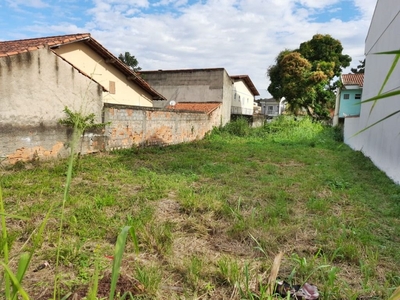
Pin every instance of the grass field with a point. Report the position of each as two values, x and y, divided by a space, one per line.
209 217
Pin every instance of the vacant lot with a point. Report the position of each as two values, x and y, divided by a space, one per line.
210 217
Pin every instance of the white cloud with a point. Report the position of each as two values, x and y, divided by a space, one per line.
243 36
27 3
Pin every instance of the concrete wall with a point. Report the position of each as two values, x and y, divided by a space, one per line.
198 85
89 61
130 126
381 142
136 126
34 89
243 99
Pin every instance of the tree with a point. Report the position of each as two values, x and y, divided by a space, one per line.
360 68
305 76
130 61
292 77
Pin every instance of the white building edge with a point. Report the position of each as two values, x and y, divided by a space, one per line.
381 142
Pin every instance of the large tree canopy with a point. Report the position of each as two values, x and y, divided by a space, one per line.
130 61
305 76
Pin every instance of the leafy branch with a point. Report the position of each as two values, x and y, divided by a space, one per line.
80 122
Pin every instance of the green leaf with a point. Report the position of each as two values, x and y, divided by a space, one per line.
381 120
5 247
94 283
381 96
22 267
393 66
395 295
135 239
13 216
15 281
119 251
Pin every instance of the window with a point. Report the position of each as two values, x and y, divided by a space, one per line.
357 96
346 96
112 87
270 109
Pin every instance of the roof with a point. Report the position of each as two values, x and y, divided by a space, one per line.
248 82
353 79
183 70
9 48
206 107
267 100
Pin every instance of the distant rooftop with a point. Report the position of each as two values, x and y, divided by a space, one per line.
196 106
353 79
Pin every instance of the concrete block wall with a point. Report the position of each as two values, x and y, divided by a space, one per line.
136 126
129 126
44 143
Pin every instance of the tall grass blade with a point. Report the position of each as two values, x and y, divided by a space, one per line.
135 239
381 96
15 282
94 285
395 295
119 251
5 247
381 120
22 267
123 297
274 273
13 216
25 258
393 66
75 136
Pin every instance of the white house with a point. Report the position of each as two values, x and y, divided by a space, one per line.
244 93
380 142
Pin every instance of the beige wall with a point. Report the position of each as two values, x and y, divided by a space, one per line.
90 62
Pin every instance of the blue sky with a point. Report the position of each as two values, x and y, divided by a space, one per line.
243 36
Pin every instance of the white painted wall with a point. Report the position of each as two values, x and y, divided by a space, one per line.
243 99
381 142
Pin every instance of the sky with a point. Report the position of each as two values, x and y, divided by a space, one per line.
242 36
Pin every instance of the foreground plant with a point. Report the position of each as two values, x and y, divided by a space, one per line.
13 282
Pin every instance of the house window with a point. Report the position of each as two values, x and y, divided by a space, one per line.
358 96
346 96
112 87
270 109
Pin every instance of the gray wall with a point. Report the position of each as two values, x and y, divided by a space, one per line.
34 89
197 85
138 126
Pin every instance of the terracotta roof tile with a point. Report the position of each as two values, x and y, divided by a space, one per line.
353 79
207 107
19 46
